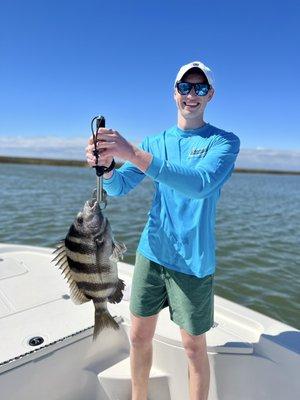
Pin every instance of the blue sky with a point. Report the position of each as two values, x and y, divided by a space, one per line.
62 62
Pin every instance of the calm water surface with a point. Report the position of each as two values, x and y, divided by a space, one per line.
257 227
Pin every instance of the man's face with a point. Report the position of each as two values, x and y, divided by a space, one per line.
192 106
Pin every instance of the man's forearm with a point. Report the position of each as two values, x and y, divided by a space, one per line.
141 159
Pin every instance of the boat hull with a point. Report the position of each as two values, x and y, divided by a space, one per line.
251 356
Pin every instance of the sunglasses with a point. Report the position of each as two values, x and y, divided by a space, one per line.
201 89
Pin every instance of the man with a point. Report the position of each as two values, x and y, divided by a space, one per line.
175 259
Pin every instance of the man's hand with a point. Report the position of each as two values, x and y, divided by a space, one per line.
91 159
111 144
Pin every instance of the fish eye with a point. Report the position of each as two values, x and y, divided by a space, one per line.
80 220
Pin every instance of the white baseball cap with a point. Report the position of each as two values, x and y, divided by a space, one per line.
195 64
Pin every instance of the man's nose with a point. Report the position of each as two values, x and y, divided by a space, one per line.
192 93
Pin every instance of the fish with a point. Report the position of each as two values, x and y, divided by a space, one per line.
88 258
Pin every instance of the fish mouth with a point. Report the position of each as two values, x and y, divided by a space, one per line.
92 204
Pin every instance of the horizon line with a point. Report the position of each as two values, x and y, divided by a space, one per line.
81 163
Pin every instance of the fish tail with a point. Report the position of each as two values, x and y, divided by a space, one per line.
103 320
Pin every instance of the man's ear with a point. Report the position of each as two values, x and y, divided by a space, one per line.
210 94
174 94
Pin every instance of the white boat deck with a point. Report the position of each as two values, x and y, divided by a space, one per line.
35 302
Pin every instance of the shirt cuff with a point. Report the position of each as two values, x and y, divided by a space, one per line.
154 167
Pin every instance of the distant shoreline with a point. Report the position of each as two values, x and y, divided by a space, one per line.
79 163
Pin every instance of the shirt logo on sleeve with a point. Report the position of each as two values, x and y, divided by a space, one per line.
197 152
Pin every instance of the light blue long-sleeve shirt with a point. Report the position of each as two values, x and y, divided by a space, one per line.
189 168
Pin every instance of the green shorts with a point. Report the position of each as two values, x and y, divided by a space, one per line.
190 299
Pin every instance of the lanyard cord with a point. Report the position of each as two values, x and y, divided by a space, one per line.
100 123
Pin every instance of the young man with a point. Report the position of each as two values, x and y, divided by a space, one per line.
175 259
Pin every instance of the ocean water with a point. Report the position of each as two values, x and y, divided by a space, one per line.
257 227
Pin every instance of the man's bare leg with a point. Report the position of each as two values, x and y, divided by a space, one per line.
141 334
199 370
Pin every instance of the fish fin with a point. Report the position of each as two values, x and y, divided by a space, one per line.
59 246
118 249
59 258
117 296
75 293
103 320
61 252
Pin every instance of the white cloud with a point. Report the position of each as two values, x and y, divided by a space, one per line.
43 147
269 158
74 148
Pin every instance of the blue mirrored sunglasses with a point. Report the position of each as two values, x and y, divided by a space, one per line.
201 89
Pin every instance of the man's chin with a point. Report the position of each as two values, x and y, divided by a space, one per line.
190 114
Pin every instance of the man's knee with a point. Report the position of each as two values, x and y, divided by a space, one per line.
142 329
195 346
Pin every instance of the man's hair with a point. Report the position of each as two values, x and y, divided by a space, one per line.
194 70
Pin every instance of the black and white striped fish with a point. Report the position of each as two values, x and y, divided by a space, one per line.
88 259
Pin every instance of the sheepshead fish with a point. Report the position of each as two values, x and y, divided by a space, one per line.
88 259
